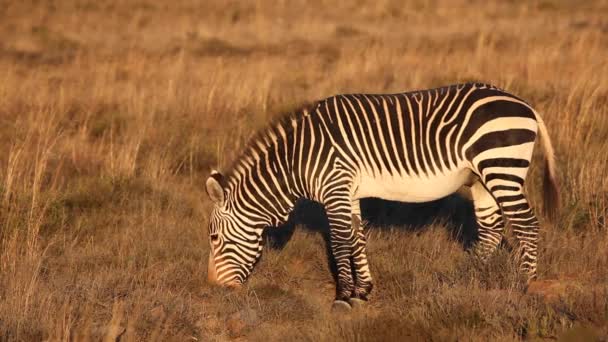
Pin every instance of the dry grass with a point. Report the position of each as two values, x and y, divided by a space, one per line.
112 113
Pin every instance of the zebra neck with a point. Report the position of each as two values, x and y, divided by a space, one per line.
271 174
264 194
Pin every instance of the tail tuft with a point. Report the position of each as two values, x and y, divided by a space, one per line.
550 185
551 193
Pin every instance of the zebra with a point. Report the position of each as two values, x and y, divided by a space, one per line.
414 147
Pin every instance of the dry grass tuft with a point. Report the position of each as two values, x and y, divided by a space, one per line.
113 113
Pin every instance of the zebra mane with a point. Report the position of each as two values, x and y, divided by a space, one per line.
267 135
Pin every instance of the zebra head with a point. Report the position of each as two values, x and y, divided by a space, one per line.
235 243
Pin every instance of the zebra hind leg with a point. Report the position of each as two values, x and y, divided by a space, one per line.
507 190
363 278
525 227
490 223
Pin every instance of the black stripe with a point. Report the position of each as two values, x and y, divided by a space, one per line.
502 162
512 198
489 215
529 222
434 131
351 132
503 176
368 135
385 130
426 101
416 146
525 215
492 110
504 187
509 137
406 131
400 149
515 207
382 133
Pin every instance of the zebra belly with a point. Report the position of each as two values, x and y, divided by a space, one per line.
411 188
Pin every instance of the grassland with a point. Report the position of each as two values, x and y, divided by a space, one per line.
112 114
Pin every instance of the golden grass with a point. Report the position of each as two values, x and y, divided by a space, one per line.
112 114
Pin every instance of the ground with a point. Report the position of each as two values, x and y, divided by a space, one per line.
113 113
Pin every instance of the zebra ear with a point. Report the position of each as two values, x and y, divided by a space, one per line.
215 188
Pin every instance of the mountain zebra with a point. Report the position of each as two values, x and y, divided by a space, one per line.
414 147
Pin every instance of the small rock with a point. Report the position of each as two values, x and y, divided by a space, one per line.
357 304
340 307
158 313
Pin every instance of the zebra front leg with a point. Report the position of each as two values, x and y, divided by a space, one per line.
342 242
363 277
490 223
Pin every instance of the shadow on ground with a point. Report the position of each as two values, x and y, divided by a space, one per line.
454 211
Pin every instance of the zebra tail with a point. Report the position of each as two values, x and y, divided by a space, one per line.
550 184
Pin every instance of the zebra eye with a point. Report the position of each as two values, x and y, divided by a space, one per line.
213 237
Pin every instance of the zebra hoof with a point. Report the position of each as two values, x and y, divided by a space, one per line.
340 306
357 303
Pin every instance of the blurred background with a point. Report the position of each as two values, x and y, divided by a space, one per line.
112 114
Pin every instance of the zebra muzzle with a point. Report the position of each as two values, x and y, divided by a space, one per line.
223 280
